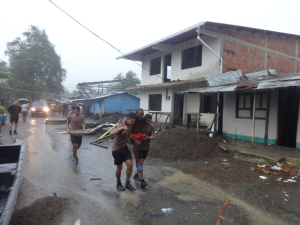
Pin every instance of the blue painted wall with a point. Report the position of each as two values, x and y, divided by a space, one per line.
116 103
95 107
120 103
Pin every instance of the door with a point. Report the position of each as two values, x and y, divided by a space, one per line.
178 108
288 107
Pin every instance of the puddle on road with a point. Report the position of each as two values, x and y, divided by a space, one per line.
189 188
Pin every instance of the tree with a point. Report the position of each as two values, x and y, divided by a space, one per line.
129 80
34 65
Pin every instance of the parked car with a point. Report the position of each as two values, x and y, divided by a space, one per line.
39 109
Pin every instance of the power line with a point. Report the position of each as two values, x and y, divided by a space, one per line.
99 37
30 91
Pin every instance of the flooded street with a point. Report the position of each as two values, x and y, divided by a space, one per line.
195 190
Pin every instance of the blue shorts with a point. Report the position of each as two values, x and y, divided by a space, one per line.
24 113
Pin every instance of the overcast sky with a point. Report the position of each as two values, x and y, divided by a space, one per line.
129 25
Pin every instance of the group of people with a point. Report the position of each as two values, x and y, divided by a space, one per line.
136 129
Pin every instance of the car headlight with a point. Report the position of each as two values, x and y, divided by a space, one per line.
33 109
46 109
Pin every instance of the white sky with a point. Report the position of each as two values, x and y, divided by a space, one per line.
129 25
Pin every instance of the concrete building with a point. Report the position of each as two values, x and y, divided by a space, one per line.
263 107
185 60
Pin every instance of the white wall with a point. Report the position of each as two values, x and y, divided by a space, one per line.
210 63
191 103
167 105
239 126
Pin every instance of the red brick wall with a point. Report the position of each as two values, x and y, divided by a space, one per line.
250 59
298 67
242 57
282 44
282 64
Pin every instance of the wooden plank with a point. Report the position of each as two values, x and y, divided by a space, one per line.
253 120
222 212
267 118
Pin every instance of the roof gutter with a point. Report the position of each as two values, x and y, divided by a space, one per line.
221 60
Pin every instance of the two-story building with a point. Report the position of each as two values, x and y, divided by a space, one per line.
184 60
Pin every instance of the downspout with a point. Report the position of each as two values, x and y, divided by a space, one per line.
221 60
220 71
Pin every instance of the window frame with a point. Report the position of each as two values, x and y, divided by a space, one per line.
183 61
259 108
149 105
151 69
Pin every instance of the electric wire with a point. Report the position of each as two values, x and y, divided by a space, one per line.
31 91
99 37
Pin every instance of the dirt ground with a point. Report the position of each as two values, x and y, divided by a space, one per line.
180 143
46 211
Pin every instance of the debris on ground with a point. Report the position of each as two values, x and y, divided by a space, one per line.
88 131
167 211
111 119
286 168
222 212
46 211
133 205
77 222
181 143
263 177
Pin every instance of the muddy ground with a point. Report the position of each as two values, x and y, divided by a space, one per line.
196 189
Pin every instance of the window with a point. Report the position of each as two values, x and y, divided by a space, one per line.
244 105
191 57
155 102
155 65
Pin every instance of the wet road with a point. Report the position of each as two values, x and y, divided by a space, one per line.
49 169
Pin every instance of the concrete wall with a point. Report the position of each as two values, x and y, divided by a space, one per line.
167 105
242 128
210 63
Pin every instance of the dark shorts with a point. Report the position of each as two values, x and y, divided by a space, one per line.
14 119
76 139
142 154
121 155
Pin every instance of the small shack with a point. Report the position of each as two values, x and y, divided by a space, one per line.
120 102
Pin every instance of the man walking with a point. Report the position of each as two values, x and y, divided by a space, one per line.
120 151
136 136
148 135
77 123
14 111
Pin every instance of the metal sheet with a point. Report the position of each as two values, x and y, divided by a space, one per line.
261 74
232 77
211 89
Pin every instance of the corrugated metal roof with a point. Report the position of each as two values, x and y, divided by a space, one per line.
244 85
211 89
166 84
265 74
232 77
103 96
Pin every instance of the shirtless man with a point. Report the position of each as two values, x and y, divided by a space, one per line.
148 135
135 137
120 151
77 123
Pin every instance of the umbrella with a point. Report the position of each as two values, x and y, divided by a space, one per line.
23 100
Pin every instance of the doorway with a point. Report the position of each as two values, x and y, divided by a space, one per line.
178 109
288 109
167 68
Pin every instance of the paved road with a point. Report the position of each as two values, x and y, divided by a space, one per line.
196 200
